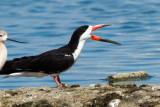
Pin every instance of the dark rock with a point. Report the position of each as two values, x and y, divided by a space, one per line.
12 93
40 103
103 100
75 85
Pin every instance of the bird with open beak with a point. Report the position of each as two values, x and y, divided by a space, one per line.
55 61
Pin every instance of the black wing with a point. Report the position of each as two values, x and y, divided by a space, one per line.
49 62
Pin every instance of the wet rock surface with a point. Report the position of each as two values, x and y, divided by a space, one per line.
131 76
100 95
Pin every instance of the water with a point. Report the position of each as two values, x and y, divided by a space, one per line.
48 24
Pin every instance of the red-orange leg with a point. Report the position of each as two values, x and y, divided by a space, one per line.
56 80
59 79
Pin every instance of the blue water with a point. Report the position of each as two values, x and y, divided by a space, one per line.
48 24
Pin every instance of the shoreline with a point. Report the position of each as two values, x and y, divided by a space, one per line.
99 95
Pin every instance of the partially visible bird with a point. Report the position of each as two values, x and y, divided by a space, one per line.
55 61
3 50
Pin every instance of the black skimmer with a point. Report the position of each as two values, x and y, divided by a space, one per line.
3 50
55 61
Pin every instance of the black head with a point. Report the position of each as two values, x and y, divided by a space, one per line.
77 34
82 34
73 43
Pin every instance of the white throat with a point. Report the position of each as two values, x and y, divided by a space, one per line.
78 50
85 36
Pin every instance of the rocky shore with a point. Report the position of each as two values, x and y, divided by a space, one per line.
100 95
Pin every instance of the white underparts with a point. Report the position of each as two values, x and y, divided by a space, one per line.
3 54
78 50
27 74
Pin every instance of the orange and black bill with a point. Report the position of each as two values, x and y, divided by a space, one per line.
100 39
104 40
99 26
15 41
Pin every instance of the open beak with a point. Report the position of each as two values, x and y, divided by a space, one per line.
100 39
15 41
104 40
99 26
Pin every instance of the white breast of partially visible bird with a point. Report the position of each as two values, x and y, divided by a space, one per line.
3 55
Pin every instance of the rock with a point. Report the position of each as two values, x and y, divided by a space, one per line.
12 93
92 85
100 95
64 85
114 103
127 76
75 85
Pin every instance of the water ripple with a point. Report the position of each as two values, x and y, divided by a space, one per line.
49 24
